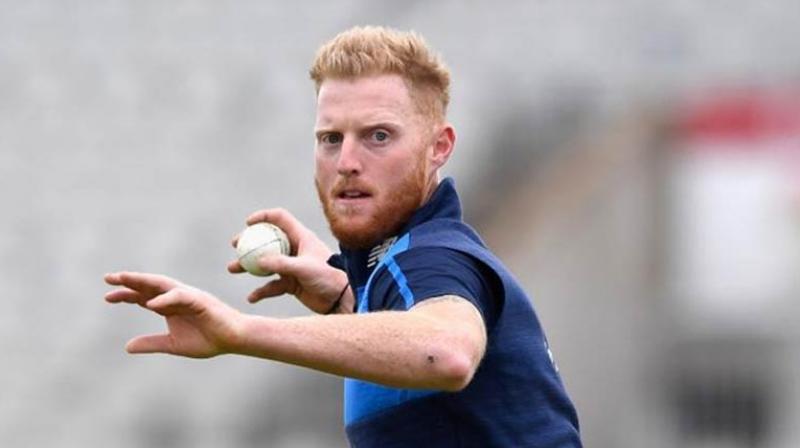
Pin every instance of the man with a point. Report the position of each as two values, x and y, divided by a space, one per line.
438 344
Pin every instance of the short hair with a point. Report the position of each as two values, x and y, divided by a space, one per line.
371 50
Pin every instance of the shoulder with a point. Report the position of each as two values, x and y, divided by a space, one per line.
423 273
444 232
418 265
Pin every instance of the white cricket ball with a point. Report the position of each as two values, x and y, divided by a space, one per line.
258 240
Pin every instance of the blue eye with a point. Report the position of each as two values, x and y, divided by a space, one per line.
380 136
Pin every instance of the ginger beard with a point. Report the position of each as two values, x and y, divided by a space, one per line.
392 208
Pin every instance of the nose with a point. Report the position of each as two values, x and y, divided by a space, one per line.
349 162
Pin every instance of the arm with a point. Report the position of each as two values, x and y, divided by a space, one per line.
437 344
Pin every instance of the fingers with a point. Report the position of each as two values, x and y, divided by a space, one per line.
176 301
148 284
278 264
154 292
273 288
275 263
294 229
282 218
125 295
153 343
137 288
281 264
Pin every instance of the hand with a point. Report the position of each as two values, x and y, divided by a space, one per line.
306 275
200 325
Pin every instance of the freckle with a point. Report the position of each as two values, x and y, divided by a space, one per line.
431 359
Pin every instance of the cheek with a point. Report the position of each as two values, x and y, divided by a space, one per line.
322 170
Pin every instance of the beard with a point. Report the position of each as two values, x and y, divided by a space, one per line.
391 210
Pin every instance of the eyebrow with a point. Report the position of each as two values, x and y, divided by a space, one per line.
383 124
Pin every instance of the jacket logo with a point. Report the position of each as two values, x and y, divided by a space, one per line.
378 252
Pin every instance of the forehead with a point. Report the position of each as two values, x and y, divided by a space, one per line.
380 97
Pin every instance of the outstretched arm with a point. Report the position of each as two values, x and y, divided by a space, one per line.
438 344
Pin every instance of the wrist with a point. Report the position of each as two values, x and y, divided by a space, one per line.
246 334
234 341
336 306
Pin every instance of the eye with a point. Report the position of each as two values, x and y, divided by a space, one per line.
332 138
380 136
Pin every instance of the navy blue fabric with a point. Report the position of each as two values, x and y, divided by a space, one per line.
437 271
515 399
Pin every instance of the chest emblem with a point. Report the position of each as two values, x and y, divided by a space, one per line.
378 252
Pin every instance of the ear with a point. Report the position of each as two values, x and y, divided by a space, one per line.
443 144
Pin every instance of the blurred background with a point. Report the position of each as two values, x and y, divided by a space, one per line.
635 163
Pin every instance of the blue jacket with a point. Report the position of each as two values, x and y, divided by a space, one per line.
516 397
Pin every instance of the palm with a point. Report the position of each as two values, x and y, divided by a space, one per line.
186 337
199 324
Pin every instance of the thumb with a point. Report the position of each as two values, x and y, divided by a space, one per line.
270 289
153 343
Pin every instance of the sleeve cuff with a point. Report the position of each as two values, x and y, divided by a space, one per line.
336 261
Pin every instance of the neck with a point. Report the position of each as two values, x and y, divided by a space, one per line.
433 183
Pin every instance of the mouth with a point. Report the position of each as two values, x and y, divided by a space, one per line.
353 194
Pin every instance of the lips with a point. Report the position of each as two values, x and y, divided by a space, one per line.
350 188
351 194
